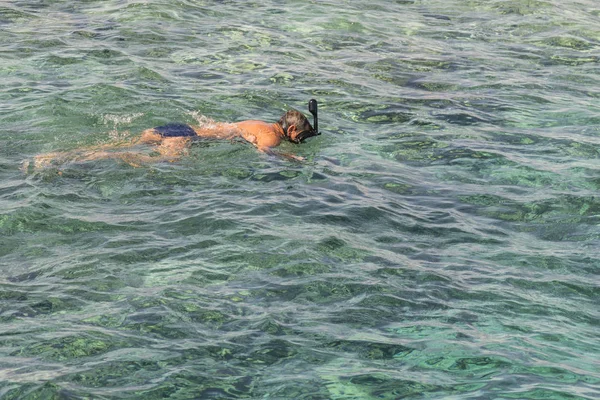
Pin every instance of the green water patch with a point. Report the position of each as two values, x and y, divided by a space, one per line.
585 178
542 393
457 364
558 209
301 268
108 56
408 72
376 113
255 261
285 175
51 305
387 302
428 150
102 288
558 289
145 255
117 373
436 86
45 218
549 308
85 108
335 247
274 351
389 115
399 188
420 331
288 259
28 220
48 390
368 350
340 42
72 347
433 64
144 15
316 291
417 63
464 117
580 150
523 176
13 294
569 42
556 374
198 384
36 47
440 352
376 386
546 263
572 60
14 15
484 199
522 7
491 169
106 320
59 61
154 40
206 277
344 24
521 138
248 39
339 88
133 379
152 319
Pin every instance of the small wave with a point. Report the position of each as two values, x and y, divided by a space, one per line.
202 120
118 120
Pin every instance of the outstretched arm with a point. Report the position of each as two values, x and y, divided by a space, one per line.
286 155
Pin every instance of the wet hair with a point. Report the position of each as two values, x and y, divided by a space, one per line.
293 117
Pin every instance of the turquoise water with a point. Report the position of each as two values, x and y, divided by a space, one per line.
440 240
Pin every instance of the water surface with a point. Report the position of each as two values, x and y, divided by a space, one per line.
439 241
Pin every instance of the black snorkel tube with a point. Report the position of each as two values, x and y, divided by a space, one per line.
313 109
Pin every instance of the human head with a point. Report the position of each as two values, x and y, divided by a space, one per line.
296 127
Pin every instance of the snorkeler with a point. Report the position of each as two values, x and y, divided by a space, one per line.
171 141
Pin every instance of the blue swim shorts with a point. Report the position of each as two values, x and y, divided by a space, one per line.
175 130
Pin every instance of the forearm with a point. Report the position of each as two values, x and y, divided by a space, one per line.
286 155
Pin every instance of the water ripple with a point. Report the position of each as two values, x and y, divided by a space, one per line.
439 240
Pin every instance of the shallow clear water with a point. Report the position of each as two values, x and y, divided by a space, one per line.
440 241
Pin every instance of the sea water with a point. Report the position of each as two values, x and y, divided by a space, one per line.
440 239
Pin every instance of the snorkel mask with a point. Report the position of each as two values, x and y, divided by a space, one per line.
313 109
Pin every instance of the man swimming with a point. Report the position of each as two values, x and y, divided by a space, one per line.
171 141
